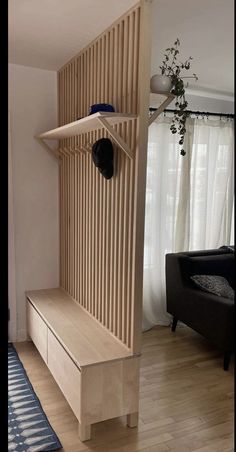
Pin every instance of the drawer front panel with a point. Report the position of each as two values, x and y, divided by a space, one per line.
66 374
37 330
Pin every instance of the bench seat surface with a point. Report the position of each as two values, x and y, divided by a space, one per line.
86 341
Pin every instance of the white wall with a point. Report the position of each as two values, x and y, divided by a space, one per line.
33 109
207 103
210 104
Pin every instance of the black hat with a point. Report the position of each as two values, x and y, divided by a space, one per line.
102 155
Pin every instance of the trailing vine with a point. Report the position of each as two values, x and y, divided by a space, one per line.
172 67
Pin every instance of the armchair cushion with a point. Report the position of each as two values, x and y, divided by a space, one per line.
215 284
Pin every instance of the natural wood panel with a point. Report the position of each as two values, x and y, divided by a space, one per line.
84 339
186 399
98 234
110 390
97 374
85 125
140 176
37 330
66 374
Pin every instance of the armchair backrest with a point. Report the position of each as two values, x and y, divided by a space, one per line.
180 266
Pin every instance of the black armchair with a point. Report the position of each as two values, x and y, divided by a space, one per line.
210 315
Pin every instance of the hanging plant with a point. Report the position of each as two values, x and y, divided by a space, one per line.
173 68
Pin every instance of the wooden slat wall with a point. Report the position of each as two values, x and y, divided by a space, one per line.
97 243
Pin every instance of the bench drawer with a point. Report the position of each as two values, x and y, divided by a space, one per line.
37 330
65 372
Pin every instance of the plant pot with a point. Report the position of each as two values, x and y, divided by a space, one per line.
160 83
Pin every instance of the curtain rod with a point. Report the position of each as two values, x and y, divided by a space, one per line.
198 113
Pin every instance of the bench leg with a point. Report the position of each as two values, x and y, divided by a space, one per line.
84 432
227 356
132 420
174 323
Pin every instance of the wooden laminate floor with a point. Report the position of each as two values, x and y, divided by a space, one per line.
186 399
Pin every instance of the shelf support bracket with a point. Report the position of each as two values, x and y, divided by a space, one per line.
162 107
65 151
55 152
116 137
86 149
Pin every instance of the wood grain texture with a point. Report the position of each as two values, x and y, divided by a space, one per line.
110 390
103 220
97 375
37 331
140 175
186 399
66 374
84 125
85 340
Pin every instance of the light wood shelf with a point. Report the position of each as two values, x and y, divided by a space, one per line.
90 123
102 120
84 125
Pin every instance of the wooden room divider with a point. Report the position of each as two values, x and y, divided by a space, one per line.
101 236
96 315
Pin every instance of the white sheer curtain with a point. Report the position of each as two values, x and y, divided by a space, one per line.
189 200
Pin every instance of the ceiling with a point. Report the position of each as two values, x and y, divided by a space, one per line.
205 29
48 33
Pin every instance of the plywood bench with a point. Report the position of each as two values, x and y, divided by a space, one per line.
98 375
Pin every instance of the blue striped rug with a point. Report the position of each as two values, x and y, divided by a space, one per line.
28 427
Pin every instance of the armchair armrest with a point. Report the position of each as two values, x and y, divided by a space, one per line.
207 297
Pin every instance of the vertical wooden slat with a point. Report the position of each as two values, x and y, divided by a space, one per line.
115 259
62 263
91 240
60 178
107 257
115 73
88 189
81 244
62 238
76 226
123 51
67 185
120 246
134 64
82 88
96 228
80 247
102 235
60 223
73 221
126 54
66 220
112 246
140 177
93 245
